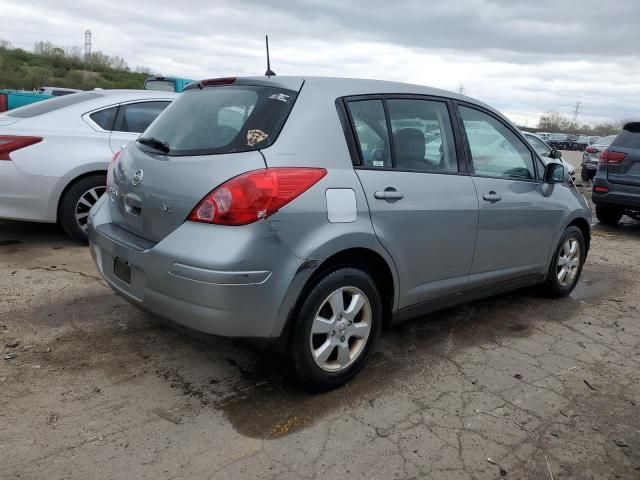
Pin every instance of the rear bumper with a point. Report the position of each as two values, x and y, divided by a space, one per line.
228 281
617 199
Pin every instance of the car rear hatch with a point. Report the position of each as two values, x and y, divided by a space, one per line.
213 132
622 158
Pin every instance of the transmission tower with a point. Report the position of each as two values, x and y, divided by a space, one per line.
461 89
576 111
87 54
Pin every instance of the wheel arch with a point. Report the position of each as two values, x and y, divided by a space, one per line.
374 263
585 228
70 182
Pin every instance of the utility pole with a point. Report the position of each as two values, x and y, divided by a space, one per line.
576 111
87 54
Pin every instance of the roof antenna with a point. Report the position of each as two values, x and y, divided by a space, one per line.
269 72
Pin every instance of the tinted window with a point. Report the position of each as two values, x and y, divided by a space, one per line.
628 138
422 135
46 106
495 150
371 129
61 93
105 118
136 117
224 119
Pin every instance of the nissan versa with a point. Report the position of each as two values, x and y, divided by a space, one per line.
315 211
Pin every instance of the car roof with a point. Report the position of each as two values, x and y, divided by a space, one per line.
335 87
135 93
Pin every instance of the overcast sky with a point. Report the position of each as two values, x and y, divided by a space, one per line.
522 57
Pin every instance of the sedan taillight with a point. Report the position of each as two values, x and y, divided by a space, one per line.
254 195
11 143
591 150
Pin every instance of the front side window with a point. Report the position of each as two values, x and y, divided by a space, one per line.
371 132
495 150
136 117
538 145
422 135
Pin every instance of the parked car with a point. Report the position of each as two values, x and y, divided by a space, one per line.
166 84
56 91
10 99
580 143
559 141
253 207
56 153
543 135
616 186
591 157
547 153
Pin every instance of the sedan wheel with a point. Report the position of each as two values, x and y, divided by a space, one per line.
340 329
566 266
84 204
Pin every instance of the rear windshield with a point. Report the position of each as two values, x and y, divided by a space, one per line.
46 106
222 119
160 85
629 137
606 140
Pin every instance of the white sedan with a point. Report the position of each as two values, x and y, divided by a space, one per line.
54 154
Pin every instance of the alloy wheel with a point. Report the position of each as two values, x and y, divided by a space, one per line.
568 262
340 329
84 204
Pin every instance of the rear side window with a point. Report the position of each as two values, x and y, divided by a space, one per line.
47 106
629 137
136 117
105 118
222 119
422 135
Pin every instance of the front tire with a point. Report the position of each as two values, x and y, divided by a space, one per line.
336 329
609 215
76 202
566 265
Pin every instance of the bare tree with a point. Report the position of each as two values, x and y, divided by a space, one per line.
554 122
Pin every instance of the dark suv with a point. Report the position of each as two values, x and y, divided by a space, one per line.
616 186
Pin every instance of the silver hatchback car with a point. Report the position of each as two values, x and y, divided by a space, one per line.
315 211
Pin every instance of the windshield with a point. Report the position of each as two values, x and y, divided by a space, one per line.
606 140
220 120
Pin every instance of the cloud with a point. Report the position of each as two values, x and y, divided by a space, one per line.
522 57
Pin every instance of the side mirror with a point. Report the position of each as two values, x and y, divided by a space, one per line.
555 154
554 173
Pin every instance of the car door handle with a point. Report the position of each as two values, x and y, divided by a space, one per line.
492 197
389 194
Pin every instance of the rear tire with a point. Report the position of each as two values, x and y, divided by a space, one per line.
566 265
336 329
76 202
609 215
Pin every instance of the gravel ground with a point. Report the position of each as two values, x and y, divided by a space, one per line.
90 387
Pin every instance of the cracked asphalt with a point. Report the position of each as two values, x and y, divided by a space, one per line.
90 387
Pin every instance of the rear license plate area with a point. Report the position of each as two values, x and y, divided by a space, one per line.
122 270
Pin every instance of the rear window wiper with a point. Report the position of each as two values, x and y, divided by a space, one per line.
155 144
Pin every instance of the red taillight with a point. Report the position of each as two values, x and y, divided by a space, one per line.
598 189
612 158
3 102
211 82
11 143
254 195
591 150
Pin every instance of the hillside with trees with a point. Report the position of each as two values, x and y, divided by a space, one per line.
51 65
